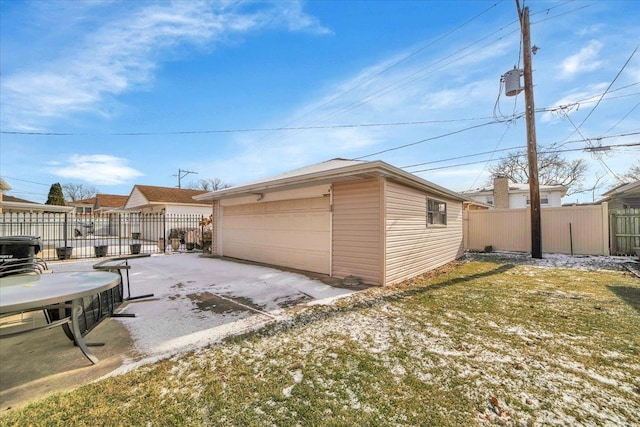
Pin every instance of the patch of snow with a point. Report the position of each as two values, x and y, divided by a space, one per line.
297 376
580 262
172 322
287 391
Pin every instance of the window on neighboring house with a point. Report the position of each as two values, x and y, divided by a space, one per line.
490 201
436 212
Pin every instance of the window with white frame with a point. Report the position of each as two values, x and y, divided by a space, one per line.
436 212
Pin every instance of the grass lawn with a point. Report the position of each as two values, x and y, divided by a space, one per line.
475 343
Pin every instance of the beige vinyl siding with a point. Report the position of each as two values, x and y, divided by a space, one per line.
289 233
357 230
412 247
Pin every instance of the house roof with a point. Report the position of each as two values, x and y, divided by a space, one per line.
622 188
31 206
517 188
4 186
104 201
331 171
172 195
90 201
8 198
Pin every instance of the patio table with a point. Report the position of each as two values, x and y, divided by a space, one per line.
30 292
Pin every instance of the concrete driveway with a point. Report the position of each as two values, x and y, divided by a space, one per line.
197 301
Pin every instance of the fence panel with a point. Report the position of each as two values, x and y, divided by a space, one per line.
115 233
503 229
579 230
625 231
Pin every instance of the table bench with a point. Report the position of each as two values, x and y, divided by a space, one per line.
116 265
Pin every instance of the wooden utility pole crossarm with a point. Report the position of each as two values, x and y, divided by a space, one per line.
532 151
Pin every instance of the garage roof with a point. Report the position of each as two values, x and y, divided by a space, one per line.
331 171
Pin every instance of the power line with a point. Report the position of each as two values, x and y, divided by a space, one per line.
400 61
634 144
550 149
24 180
622 119
350 125
368 98
606 91
495 121
337 126
464 157
430 139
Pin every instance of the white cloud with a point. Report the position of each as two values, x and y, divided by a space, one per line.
97 169
590 30
583 61
588 96
122 55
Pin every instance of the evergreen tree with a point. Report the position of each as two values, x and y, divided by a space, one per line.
55 195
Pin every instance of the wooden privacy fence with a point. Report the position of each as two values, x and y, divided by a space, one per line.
625 231
579 230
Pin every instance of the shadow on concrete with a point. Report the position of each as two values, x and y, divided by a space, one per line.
38 363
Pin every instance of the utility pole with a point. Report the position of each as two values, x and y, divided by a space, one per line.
532 151
181 174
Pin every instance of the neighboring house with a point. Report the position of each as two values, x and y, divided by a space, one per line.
343 218
625 196
109 202
83 207
8 198
170 200
99 205
508 195
10 204
177 206
3 187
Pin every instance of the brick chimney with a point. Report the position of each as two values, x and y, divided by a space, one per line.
501 192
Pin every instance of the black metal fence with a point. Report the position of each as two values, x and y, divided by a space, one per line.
72 235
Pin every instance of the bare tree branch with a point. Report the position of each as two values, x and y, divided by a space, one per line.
210 184
552 170
73 192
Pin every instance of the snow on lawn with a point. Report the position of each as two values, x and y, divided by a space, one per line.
199 300
581 262
502 341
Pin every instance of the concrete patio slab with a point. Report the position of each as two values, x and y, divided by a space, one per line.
197 301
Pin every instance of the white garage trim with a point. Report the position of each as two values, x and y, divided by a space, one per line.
291 233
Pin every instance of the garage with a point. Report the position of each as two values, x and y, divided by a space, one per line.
343 218
291 233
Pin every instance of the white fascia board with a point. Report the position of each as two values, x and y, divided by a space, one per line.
36 207
376 168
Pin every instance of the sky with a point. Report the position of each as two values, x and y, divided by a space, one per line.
111 94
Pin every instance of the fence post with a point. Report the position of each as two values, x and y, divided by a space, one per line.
66 224
119 234
465 229
606 251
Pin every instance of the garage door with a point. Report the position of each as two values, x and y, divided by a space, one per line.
290 233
